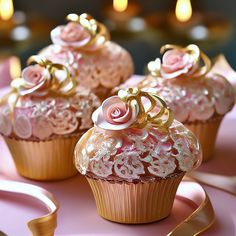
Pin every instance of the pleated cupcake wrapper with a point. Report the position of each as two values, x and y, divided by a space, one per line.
44 160
206 132
135 203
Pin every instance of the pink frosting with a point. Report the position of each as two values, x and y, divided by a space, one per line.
42 118
5 125
22 126
193 100
137 154
100 71
114 114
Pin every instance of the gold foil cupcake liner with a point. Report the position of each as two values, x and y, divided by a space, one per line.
44 160
206 132
135 203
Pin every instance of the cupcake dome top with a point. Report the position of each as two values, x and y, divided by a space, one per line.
136 138
185 80
45 102
83 45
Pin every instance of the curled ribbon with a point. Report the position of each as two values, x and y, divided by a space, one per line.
199 221
45 225
158 114
202 218
98 32
154 67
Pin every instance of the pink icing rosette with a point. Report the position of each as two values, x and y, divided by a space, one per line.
70 35
175 63
34 78
114 114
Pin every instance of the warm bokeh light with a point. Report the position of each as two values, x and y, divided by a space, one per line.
6 9
183 10
120 5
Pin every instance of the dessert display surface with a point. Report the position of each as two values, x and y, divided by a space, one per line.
78 215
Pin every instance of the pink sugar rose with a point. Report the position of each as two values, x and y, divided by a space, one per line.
70 35
22 127
175 63
114 114
34 77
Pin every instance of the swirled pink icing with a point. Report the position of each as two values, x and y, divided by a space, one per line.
40 118
99 71
137 154
196 99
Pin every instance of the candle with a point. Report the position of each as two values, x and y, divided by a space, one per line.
6 13
120 13
183 24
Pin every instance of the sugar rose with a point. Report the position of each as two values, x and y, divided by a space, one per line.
114 114
70 35
176 62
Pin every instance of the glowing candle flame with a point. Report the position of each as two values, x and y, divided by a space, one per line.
120 5
183 10
6 9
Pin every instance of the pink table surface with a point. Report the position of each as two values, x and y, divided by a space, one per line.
77 214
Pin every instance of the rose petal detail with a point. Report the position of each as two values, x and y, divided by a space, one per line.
58 37
22 126
103 119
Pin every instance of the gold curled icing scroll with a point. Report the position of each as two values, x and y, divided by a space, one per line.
154 67
156 111
202 218
98 32
53 86
45 225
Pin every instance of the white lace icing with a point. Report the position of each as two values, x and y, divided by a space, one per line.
105 68
133 153
193 100
41 118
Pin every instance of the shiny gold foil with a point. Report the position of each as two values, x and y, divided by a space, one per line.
137 203
206 132
44 160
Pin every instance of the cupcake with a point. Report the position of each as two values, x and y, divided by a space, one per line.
43 117
197 95
135 156
83 46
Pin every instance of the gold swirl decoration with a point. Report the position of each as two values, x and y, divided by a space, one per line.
193 50
65 86
156 111
45 225
53 85
98 32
